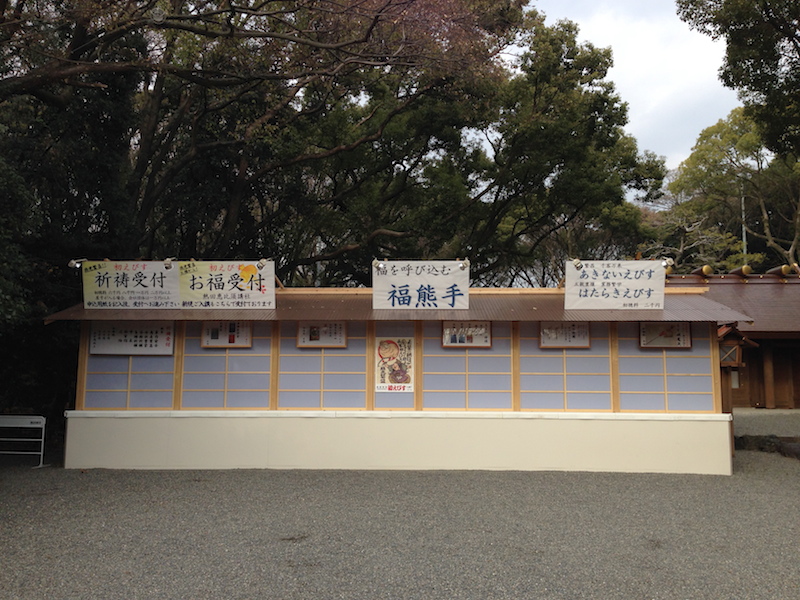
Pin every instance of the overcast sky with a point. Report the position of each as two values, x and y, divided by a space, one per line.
666 72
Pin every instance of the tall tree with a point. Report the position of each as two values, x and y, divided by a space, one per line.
731 180
320 133
762 59
156 129
559 154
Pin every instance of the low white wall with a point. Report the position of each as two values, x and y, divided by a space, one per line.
640 443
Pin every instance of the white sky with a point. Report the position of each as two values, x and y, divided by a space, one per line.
664 71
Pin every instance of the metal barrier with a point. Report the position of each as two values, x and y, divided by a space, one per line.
23 432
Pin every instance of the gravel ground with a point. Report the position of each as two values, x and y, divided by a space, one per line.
108 534
762 421
194 535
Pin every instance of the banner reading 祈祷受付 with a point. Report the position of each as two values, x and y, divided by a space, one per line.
173 284
420 284
614 284
130 284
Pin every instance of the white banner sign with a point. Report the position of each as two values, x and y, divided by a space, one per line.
420 284
227 284
623 285
173 284
130 284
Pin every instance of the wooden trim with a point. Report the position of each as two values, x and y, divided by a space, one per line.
716 375
179 353
565 399
83 366
419 351
274 366
516 352
613 349
665 370
369 364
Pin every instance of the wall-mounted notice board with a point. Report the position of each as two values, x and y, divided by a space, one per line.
665 335
560 334
132 337
466 334
322 334
227 334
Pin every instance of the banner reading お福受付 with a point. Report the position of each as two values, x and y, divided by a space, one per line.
227 284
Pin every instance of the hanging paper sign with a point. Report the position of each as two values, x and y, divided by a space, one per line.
134 337
173 284
130 284
615 285
227 284
394 370
420 284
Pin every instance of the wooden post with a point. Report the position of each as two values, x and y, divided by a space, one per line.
769 375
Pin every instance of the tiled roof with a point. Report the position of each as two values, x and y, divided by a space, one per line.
773 302
511 304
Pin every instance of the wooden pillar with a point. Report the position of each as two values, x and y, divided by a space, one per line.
613 348
727 390
769 375
716 372
515 375
370 364
179 345
419 346
274 365
83 365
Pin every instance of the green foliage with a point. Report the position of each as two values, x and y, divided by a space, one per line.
688 234
728 181
15 220
762 59
321 134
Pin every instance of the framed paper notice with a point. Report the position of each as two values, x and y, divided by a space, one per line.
394 367
132 337
561 334
227 334
322 334
466 334
665 335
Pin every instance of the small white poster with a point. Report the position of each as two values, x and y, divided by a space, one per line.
466 334
322 334
615 285
420 284
564 334
394 369
227 334
132 337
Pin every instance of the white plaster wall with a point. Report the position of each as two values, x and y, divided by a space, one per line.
654 443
